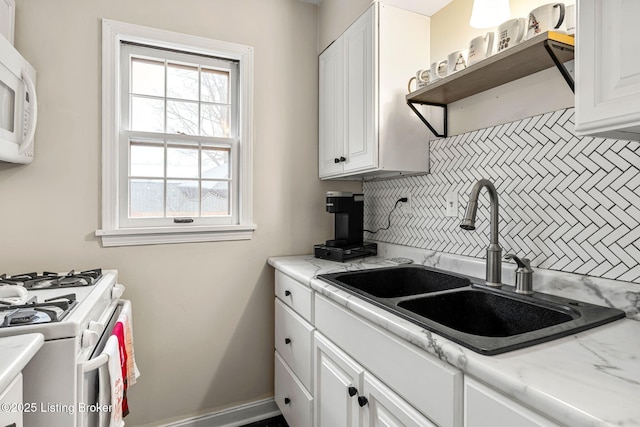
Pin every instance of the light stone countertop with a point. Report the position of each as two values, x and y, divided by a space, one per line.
15 353
587 379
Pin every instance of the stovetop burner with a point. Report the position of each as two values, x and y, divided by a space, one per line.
48 280
33 312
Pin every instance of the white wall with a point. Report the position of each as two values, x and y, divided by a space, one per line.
529 96
203 312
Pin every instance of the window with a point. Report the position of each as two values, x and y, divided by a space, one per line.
176 137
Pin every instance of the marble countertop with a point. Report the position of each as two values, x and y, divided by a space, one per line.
15 353
589 379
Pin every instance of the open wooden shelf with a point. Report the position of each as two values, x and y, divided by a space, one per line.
539 53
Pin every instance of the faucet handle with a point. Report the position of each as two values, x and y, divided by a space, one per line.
524 274
522 262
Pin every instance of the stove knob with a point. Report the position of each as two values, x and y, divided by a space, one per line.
89 338
117 291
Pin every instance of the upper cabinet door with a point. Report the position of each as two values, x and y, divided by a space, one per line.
361 147
608 69
331 110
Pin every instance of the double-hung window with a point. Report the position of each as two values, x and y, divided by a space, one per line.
176 137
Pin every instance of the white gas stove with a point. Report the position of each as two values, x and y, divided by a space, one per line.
75 312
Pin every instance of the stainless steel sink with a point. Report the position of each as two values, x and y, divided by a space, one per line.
485 319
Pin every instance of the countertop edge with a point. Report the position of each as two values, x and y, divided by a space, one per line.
17 351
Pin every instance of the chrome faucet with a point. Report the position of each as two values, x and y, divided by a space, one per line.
494 251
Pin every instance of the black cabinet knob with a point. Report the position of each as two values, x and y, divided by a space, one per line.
342 159
352 391
287 340
336 160
362 401
287 293
287 400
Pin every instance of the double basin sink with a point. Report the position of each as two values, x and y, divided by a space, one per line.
486 320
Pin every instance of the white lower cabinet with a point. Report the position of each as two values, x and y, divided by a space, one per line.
346 395
11 397
293 400
484 407
419 389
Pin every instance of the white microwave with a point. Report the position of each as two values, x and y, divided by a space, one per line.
18 105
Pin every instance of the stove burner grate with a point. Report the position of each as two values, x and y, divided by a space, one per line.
51 310
48 280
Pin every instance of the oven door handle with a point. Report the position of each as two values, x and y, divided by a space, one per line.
92 335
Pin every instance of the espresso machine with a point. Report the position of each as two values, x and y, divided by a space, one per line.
348 209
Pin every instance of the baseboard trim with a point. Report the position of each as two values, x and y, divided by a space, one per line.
233 417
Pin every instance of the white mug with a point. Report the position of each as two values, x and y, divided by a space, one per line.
438 70
457 61
510 33
549 17
422 78
480 48
570 19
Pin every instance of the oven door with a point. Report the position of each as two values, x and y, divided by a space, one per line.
92 395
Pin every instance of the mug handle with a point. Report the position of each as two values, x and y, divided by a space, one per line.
489 39
522 27
561 17
409 84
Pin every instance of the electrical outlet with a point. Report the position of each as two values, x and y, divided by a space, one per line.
451 204
406 208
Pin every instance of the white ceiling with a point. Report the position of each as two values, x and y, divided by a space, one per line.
424 7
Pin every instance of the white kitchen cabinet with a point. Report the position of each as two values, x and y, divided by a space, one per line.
484 406
349 396
11 402
293 378
365 126
338 382
422 382
608 69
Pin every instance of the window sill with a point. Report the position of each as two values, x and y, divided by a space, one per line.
158 236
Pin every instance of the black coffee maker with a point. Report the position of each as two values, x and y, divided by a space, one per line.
349 217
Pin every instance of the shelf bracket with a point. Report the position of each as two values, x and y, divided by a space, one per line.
551 47
426 122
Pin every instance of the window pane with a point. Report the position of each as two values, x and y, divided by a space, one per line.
183 198
147 160
215 163
215 120
182 117
182 162
147 77
215 198
215 86
147 114
146 198
182 82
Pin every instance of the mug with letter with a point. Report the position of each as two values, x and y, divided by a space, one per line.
438 70
422 79
480 48
510 33
548 17
457 61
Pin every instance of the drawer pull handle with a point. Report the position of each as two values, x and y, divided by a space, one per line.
287 400
287 293
287 340
362 401
353 391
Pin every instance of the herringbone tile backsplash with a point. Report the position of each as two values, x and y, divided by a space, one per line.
568 203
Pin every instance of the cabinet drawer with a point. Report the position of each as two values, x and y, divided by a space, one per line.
430 385
295 295
12 395
484 406
295 403
294 340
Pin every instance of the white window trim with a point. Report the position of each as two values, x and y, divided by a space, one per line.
113 33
